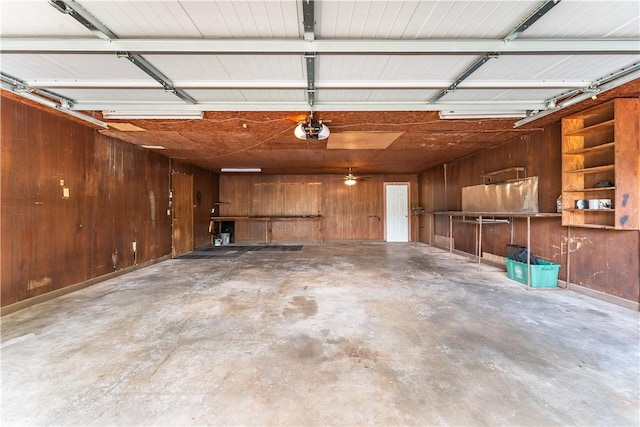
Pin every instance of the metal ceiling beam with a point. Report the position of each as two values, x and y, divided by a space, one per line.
48 99
530 20
158 76
83 16
597 87
308 19
308 16
318 106
301 84
453 86
290 46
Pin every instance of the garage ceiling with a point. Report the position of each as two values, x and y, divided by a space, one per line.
254 69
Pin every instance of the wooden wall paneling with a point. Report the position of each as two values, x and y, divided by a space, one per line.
349 213
544 160
439 189
49 241
425 198
627 173
235 193
606 261
338 207
464 235
10 216
366 202
31 223
103 247
182 186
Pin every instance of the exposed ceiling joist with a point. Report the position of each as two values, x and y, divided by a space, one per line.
352 46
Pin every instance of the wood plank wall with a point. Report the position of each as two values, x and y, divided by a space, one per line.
349 213
118 193
602 260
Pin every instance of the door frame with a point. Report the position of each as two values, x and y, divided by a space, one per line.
408 185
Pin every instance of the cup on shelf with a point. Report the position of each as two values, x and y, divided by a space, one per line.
604 204
594 204
581 204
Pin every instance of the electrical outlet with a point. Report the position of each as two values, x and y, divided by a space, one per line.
133 246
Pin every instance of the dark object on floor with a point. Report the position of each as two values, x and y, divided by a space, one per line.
236 251
519 253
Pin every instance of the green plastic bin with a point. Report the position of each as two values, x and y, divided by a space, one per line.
544 275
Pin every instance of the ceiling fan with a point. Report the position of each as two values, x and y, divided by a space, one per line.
351 179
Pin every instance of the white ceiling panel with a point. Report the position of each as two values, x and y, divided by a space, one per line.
230 67
498 95
37 17
225 19
551 67
207 95
416 95
30 67
392 67
589 19
420 19
230 53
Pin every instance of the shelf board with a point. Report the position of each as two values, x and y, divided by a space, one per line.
593 169
597 148
600 226
501 171
589 190
589 210
600 127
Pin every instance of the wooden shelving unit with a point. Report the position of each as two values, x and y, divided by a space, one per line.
598 145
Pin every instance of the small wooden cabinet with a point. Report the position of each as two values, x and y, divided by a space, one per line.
601 160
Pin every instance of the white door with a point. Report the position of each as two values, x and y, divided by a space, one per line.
397 212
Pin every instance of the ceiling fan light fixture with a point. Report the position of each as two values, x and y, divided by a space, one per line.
350 181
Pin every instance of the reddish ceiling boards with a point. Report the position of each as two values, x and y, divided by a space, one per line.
257 67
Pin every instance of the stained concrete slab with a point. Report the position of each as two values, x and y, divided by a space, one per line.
337 334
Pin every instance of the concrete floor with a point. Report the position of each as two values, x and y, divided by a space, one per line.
339 334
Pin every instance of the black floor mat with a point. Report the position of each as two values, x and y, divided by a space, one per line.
236 251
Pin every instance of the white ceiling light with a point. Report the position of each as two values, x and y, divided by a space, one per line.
132 115
240 170
482 114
